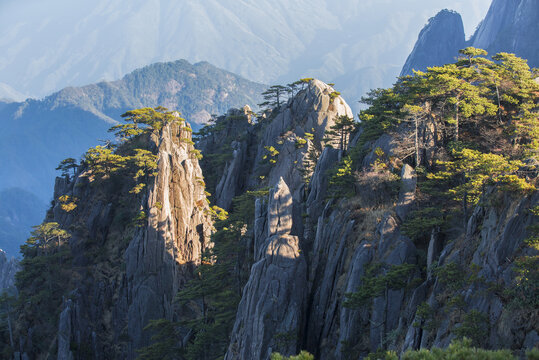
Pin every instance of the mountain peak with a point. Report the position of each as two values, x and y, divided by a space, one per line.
438 42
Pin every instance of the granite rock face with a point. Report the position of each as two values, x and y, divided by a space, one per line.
296 131
237 137
139 269
510 26
407 192
163 253
280 210
438 43
65 333
270 314
311 111
8 269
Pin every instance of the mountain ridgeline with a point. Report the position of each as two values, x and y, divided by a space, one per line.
413 229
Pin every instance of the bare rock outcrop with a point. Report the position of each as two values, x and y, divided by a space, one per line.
313 110
407 192
8 269
140 265
438 43
270 314
163 253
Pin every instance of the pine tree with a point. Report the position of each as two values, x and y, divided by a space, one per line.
66 165
152 118
455 86
470 171
340 132
273 96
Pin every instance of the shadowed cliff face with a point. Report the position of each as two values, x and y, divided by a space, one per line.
271 311
438 43
126 272
510 26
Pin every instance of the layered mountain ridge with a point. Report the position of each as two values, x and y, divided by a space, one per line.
358 45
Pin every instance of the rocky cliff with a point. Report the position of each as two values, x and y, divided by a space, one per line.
438 42
282 144
271 311
280 152
334 242
130 252
8 269
340 277
509 26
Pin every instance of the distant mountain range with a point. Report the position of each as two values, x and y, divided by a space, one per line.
19 211
356 44
37 134
509 26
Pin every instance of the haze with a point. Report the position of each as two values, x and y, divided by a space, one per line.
49 45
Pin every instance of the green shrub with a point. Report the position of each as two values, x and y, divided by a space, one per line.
303 355
475 326
377 279
451 275
381 354
425 315
461 350
300 142
420 223
333 95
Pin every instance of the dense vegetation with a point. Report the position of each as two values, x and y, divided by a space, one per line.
457 350
471 131
465 127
